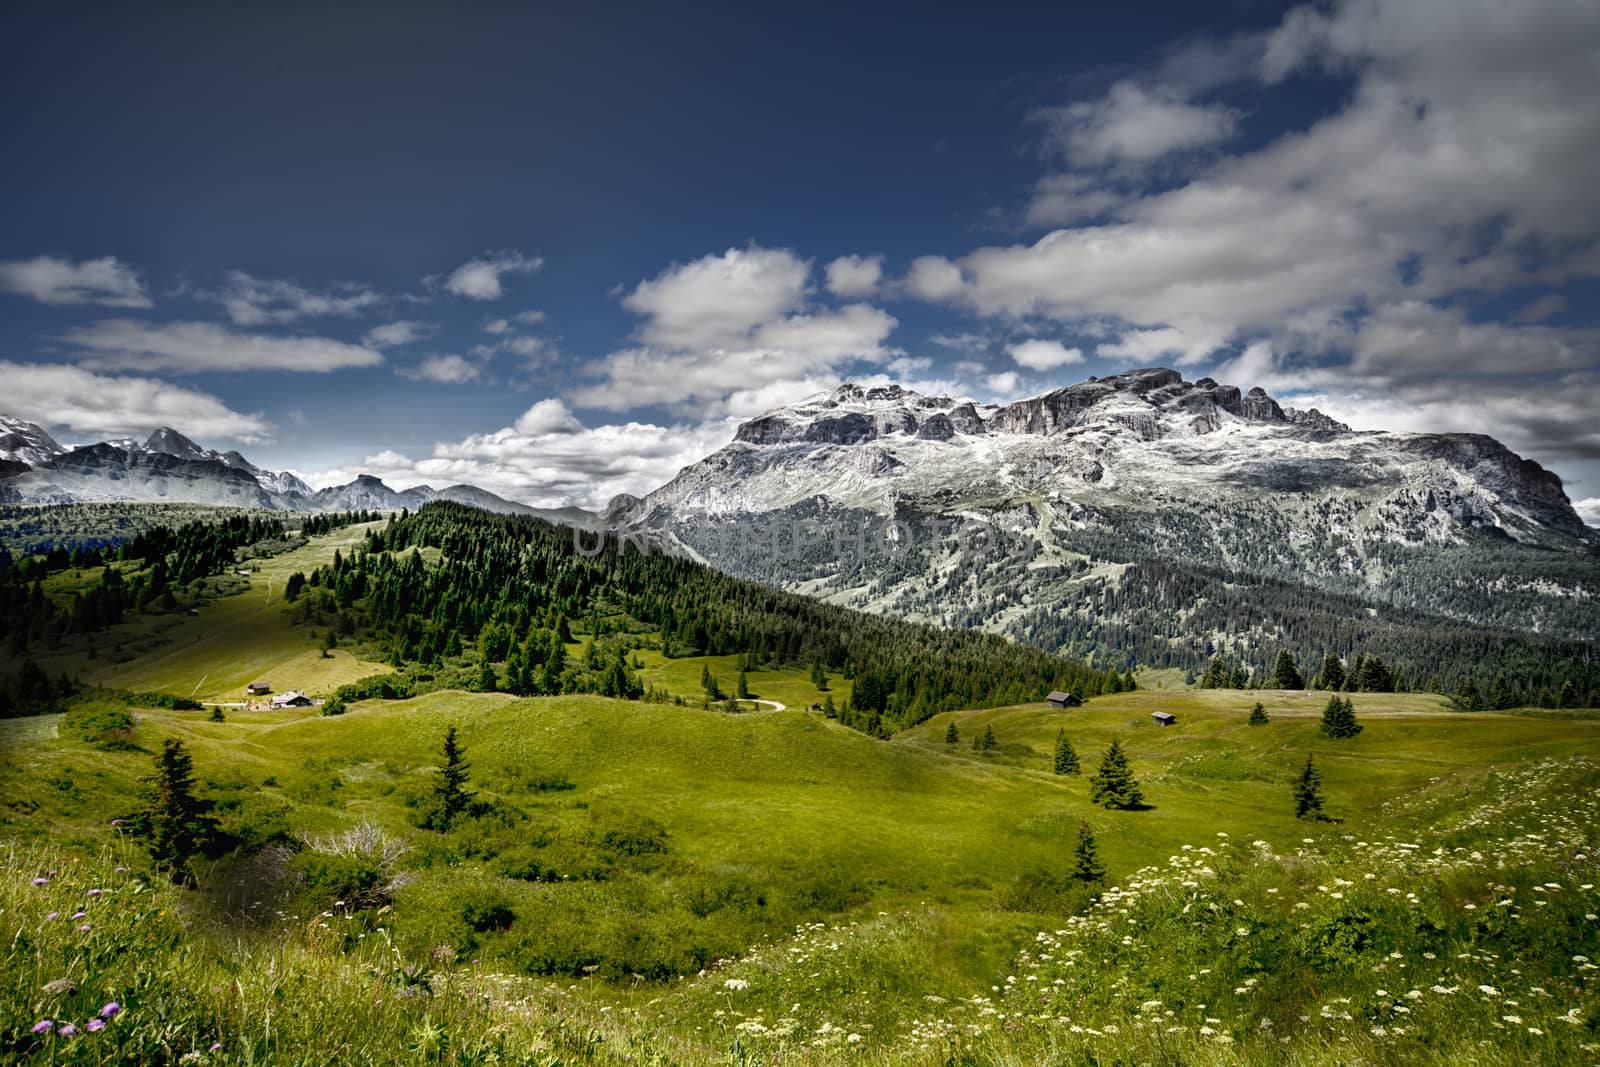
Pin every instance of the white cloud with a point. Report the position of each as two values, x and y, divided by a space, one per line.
1040 354
1458 165
195 347
97 405
934 278
1588 509
1003 384
786 358
728 331
393 334
106 281
1134 125
1153 346
497 326
548 417
548 461
480 279
448 369
253 301
716 301
854 276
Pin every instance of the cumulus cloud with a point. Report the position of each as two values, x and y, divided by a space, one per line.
549 461
196 347
1003 384
716 301
1588 509
934 278
98 405
725 332
1040 354
1152 346
394 334
449 369
854 276
480 279
253 301
106 281
549 416
1133 124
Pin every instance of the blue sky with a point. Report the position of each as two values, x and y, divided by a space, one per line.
561 254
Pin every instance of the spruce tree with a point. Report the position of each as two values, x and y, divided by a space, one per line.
819 676
450 795
1375 676
175 824
1130 684
1569 695
1285 673
1066 756
1115 786
1339 719
1502 695
985 741
486 677
1086 865
1258 715
1307 789
216 714
831 712
1332 672
951 734
1114 682
743 687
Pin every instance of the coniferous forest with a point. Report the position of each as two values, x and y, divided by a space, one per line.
514 587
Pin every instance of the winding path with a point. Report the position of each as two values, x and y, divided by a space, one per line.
773 704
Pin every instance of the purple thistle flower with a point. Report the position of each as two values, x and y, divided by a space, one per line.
52 917
215 1045
43 1026
67 1030
41 881
96 892
85 928
80 915
96 1025
110 1009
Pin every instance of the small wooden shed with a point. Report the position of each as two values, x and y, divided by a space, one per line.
1058 699
1163 718
257 689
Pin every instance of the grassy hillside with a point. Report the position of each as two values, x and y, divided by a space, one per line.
662 883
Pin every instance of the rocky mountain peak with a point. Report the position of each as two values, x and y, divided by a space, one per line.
172 443
26 442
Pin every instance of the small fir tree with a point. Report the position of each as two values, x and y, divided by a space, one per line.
450 795
743 689
1258 715
1569 695
1286 673
1339 719
951 734
486 677
985 741
828 709
1066 756
1086 865
1332 671
175 824
1307 789
708 682
1130 684
329 642
216 714
819 676
1115 786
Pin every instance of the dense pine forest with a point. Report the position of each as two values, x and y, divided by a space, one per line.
514 587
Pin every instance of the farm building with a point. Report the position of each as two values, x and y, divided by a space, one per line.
292 698
257 689
1163 718
1058 699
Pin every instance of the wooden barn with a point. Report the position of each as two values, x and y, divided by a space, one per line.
1058 699
1163 718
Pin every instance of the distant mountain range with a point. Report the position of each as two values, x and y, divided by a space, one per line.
167 466
1122 512
1158 518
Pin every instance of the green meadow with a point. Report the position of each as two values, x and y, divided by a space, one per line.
666 883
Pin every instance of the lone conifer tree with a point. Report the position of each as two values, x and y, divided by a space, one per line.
951 734
1115 786
1332 672
1286 673
986 740
1258 715
1569 695
1339 719
1086 865
176 825
216 714
450 795
743 690
1066 755
486 677
1307 788
819 676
